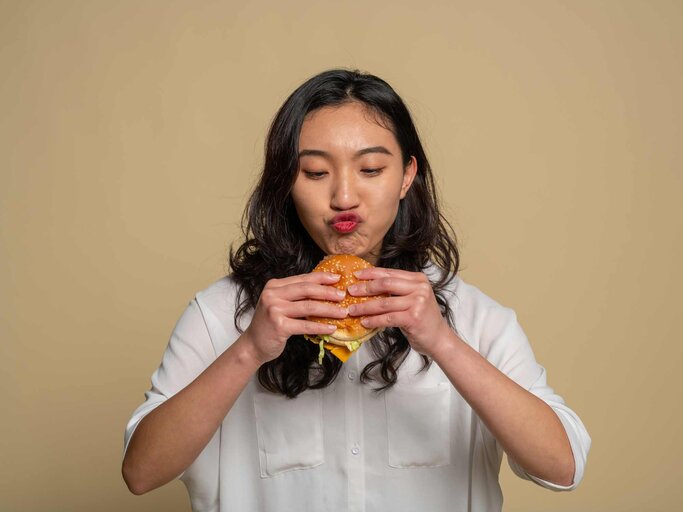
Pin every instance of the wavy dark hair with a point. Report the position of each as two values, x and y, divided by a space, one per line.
276 245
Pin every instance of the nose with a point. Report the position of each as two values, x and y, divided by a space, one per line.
344 192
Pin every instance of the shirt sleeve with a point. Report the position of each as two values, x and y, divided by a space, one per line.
188 353
509 350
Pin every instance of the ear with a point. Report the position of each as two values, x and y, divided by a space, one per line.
409 173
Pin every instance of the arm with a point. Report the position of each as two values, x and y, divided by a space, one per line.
527 428
171 436
193 390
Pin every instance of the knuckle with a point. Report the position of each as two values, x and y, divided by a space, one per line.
273 313
384 304
267 296
279 323
425 288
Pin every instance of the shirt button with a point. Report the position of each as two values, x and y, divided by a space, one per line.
355 450
351 375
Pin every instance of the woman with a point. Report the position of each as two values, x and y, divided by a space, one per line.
419 417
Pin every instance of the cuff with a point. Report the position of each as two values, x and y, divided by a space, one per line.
579 442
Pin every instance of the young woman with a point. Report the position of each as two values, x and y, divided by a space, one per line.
242 412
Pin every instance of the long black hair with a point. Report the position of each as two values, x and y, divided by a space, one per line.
276 245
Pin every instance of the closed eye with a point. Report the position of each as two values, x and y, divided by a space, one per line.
314 175
372 172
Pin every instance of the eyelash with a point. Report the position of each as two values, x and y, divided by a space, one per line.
313 175
316 175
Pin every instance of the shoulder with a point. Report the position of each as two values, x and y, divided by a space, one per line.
478 317
464 294
220 295
218 302
222 285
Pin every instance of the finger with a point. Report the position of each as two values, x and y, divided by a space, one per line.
306 290
304 308
380 305
310 327
391 285
311 277
377 272
393 319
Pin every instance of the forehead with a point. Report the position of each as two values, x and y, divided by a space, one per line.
350 126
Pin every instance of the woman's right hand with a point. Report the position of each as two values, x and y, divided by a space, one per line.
166 442
283 307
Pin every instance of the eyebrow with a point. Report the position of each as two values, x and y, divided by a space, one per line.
364 151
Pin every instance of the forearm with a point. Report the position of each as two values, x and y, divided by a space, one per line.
171 436
527 428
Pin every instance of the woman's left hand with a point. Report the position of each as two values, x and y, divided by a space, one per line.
412 306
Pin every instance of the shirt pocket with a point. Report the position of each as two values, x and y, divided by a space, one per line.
418 426
289 431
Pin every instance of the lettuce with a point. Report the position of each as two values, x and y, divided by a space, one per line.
352 345
320 340
321 354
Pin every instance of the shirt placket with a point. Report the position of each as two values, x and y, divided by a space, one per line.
355 449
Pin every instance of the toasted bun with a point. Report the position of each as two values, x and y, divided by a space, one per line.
349 328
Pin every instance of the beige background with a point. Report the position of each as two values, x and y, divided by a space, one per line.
131 132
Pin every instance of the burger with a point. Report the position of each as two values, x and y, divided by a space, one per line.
350 333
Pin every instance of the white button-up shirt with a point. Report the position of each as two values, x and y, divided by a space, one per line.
417 446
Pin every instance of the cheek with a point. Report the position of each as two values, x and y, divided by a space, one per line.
304 212
307 208
300 197
386 204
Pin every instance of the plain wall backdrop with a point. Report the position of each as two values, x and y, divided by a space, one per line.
132 132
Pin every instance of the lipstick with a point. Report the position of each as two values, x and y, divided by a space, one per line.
345 222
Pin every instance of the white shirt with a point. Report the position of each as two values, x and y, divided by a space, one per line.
417 446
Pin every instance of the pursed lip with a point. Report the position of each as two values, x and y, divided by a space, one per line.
346 217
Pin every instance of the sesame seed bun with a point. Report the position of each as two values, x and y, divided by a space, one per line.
349 329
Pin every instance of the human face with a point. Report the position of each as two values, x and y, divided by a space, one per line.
350 180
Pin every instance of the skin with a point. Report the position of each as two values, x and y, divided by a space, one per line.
335 176
341 176
335 179
172 436
527 428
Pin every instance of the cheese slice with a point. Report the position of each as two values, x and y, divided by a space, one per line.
341 353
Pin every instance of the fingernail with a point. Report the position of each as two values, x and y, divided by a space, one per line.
352 309
364 321
353 288
333 277
358 273
341 294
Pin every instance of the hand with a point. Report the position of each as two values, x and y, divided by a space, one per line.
412 306
283 306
